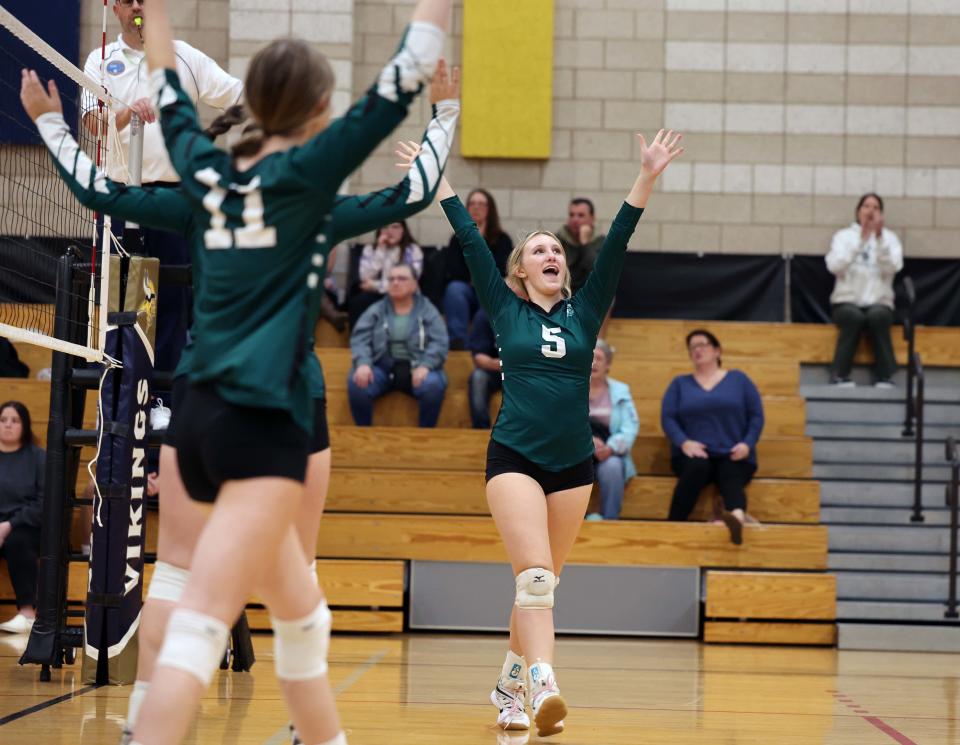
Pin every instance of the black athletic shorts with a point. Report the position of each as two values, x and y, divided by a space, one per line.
501 459
178 392
321 432
218 441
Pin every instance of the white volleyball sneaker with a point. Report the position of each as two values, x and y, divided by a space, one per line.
548 706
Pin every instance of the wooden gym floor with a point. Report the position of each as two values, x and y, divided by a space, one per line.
432 690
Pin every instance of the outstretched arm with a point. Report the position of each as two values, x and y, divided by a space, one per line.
166 209
158 38
333 154
422 164
601 286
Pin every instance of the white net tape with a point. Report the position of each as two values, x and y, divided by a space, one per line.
39 218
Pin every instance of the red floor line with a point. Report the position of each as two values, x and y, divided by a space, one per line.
887 729
892 732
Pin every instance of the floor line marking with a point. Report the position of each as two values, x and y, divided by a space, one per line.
877 722
282 735
45 704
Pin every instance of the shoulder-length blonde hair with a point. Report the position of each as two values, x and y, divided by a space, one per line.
516 258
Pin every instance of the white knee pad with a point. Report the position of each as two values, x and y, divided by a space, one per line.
195 643
535 588
300 647
167 582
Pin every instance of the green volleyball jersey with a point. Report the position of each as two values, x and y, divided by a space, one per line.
167 208
265 233
545 356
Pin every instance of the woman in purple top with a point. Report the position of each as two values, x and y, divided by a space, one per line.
713 419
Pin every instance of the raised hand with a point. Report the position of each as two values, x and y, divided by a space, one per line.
445 83
407 152
656 156
35 99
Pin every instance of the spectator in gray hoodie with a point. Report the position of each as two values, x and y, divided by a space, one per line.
399 344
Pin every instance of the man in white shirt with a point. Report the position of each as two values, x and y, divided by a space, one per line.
125 76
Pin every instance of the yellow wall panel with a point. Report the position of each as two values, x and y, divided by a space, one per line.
507 78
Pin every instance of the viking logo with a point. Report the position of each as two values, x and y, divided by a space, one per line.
147 310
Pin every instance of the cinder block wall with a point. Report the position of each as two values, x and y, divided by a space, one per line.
792 109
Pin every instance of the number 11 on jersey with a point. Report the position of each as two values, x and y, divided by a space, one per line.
552 337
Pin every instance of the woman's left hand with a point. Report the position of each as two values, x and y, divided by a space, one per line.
656 156
5 530
739 451
407 152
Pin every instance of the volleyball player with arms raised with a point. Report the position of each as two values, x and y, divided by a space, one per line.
260 219
540 456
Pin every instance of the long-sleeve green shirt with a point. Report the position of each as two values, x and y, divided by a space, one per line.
545 356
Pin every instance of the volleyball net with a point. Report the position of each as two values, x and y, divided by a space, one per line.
40 221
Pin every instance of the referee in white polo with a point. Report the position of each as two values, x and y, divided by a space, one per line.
127 78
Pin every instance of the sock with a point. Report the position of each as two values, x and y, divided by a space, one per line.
541 676
514 670
137 697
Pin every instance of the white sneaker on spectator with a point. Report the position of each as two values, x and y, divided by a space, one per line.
19 624
884 384
594 516
547 704
842 383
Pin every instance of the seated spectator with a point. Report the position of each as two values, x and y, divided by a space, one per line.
10 364
865 258
392 245
615 424
713 419
399 344
22 470
487 377
579 240
459 298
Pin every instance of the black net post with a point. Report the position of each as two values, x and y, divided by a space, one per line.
44 646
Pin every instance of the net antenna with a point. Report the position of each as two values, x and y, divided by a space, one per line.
40 220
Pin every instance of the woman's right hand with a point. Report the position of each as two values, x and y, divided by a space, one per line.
694 449
363 376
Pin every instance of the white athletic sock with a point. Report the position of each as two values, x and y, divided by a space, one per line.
137 696
514 670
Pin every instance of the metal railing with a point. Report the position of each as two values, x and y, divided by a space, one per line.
915 372
953 486
908 336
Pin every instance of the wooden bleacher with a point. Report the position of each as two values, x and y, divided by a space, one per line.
399 493
364 595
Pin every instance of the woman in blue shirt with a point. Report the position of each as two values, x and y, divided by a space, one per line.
713 419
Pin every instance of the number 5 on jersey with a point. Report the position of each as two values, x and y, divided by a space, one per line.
552 336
